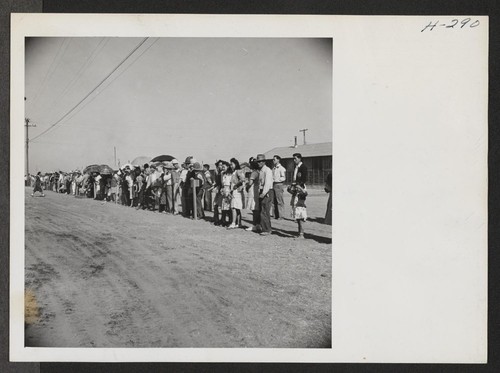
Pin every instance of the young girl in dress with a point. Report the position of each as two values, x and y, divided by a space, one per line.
298 203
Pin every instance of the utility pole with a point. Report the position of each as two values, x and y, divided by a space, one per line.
115 155
28 124
304 131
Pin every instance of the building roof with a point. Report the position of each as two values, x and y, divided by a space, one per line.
308 150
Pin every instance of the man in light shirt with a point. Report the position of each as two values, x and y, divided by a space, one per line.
176 179
149 200
279 177
266 185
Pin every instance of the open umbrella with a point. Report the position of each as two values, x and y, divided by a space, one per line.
91 169
162 158
104 169
139 161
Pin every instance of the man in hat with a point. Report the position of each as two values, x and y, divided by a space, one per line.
199 176
157 187
266 185
61 185
149 200
73 182
67 181
182 184
168 187
141 187
186 176
124 192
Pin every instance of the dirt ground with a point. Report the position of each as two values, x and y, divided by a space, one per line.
104 275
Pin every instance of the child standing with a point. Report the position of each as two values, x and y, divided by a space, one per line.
298 203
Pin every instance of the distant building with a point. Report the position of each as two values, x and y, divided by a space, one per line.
317 158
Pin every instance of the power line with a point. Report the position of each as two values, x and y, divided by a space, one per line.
116 77
48 76
48 71
93 90
96 50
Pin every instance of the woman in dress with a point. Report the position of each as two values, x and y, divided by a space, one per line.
165 178
124 192
38 185
226 195
252 189
237 185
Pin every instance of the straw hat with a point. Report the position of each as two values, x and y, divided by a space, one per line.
260 158
197 167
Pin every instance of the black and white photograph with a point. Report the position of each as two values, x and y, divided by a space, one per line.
248 188
178 192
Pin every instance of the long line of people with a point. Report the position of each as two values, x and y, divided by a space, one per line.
171 188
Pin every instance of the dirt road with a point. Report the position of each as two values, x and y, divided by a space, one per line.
104 275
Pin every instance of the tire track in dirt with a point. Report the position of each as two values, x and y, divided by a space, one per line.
135 278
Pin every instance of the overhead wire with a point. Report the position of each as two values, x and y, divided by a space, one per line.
59 57
47 72
116 77
96 50
92 91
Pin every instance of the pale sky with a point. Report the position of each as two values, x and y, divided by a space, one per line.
213 98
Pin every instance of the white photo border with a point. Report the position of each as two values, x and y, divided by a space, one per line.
406 203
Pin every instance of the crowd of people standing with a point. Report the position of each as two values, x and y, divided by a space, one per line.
187 189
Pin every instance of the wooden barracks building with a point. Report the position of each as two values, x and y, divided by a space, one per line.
316 157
